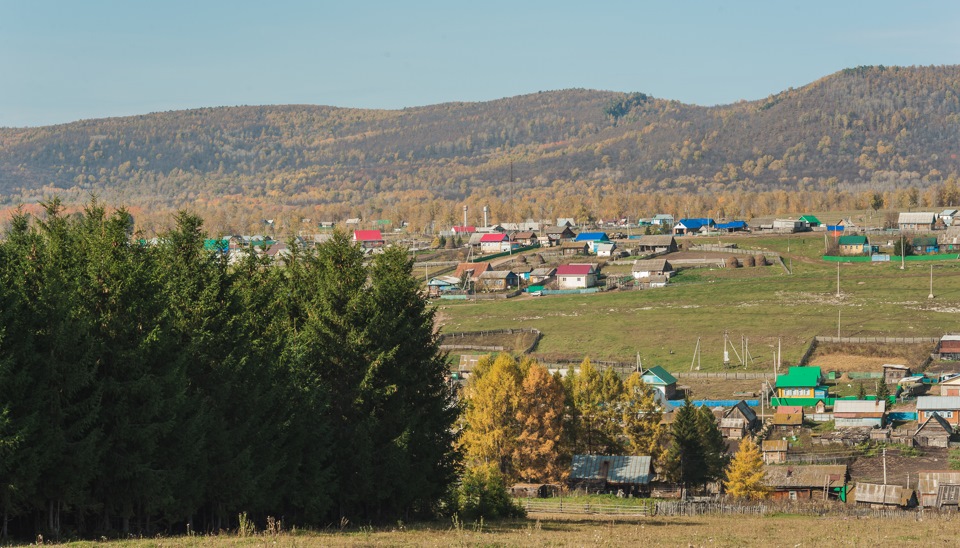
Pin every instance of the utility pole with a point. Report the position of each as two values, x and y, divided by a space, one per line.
930 296
838 279
838 324
884 468
902 251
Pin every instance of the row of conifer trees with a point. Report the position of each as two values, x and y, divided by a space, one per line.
155 388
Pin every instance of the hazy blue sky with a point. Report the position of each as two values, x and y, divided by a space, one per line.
67 60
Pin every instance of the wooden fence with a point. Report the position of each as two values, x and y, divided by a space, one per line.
875 340
492 348
696 508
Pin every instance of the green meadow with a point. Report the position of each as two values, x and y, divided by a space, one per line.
765 305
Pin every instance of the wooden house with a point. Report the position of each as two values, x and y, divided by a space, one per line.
574 248
859 413
774 451
606 249
853 245
556 235
934 432
949 347
892 373
743 411
652 267
542 274
801 382
526 238
923 245
938 488
805 482
733 428
496 280
368 239
658 378
916 221
611 473
471 271
495 242
787 422
947 407
878 495
950 387
655 244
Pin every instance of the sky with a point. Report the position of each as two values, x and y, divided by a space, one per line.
62 61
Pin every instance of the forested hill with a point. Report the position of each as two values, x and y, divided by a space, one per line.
884 126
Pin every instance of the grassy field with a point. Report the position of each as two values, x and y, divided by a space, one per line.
763 304
784 530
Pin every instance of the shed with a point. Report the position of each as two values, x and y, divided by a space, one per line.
605 472
878 495
938 487
949 347
892 373
950 387
733 428
656 244
804 482
934 432
774 451
743 411
811 220
859 413
652 267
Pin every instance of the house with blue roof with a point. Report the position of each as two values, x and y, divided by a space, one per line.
732 226
689 226
593 239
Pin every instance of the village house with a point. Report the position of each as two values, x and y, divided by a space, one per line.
949 347
661 243
692 226
526 238
801 382
811 220
853 245
806 482
368 239
786 422
859 413
938 488
568 249
576 276
556 235
471 271
924 245
592 239
731 227
947 407
658 378
916 221
496 280
878 495
743 411
607 249
662 219
949 240
950 387
774 451
786 226
947 216
602 473
526 226
442 284
934 432
892 373
652 282
475 240
652 267
464 229
495 242
568 222
542 274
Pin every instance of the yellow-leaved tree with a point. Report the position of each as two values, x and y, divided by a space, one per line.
641 418
746 475
537 456
490 428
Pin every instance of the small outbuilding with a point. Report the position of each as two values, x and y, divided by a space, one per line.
611 473
806 482
878 495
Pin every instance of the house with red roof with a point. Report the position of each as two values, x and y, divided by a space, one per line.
368 239
495 242
577 276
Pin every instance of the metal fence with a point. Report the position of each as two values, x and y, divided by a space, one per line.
885 340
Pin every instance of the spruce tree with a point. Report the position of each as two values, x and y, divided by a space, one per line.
685 462
714 448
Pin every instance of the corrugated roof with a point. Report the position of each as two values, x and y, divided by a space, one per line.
495 237
619 468
655 240
859 406
852 240
932 403
917 217
800 377
652 265
938 421
811 475
877 493
662 374
591 237
367 235
574 270
930 481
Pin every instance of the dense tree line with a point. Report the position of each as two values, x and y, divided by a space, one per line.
155 389
885 129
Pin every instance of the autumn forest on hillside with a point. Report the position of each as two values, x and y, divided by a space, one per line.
829 145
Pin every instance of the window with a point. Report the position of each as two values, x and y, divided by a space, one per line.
793 495
944 414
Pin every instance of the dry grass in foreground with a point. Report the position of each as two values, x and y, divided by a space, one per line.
786 530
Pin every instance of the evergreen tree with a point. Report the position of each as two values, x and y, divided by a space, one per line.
883 391
714 448
745 475
538 457
685 462
861 392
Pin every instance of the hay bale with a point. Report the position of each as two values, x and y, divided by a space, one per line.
748 261
760 259
732 262
537 259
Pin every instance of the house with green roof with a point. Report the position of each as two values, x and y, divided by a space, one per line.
801 382
853 245
658 377
811 220
925 244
